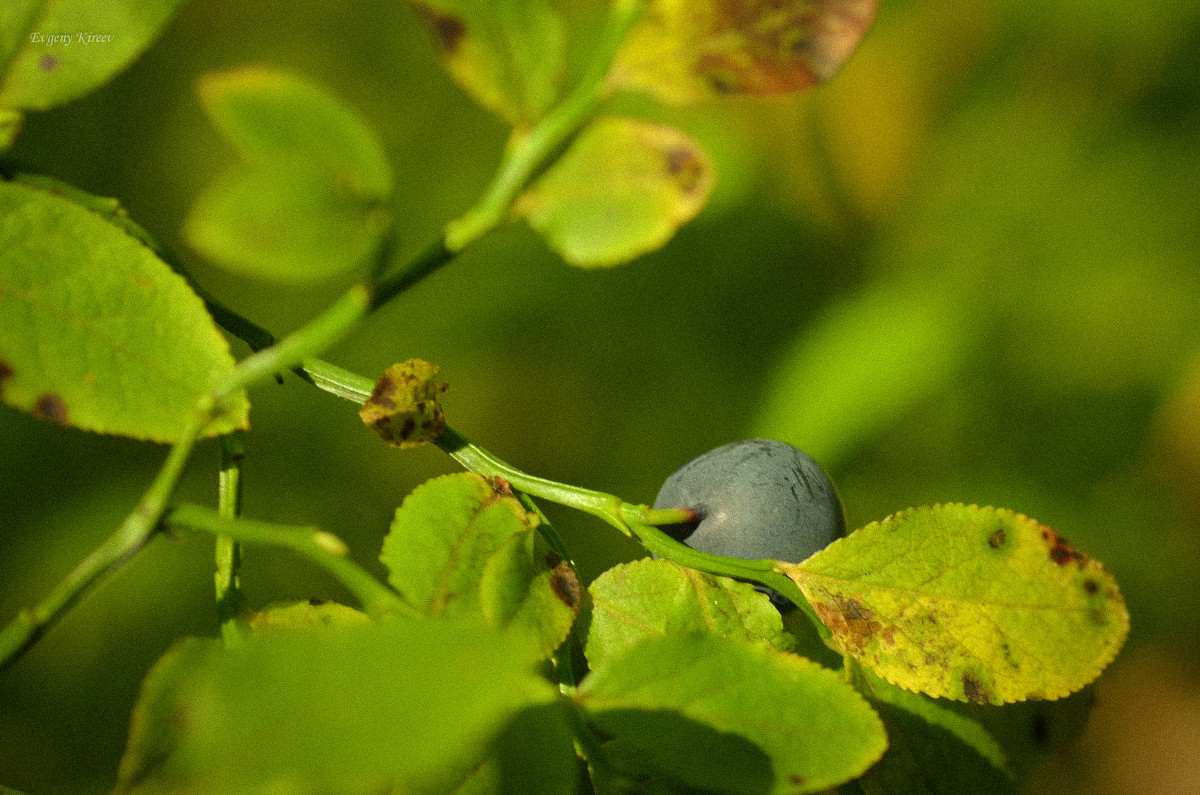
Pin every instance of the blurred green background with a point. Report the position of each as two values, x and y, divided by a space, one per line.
965 270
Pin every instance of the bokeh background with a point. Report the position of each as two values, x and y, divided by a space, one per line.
965 270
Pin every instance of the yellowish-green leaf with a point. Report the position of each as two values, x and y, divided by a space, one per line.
460 547
309 201
649 598
622 189
403 408
412 705
97 332
529 591
269 115
684 52
283 221
507 54
309 614
724 715
969 603
442 538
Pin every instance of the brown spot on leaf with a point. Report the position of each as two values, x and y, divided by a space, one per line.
48 62
851 623
723 83
685 167
446 28
1091 586
565 584
51 407
796 780
385 389
998 539
315 602
6 372
1060 551
973 690
502 486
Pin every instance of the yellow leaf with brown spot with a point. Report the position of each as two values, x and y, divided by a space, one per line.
688 51
507 54
623 189
975 604
404 408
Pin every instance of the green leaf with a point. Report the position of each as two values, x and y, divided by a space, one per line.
623 188
732 716
413 704
52 51
932 746
684 52
152 729
974 604
458 547
442 537
269 116
531 591
95 331
285 222
309 614
507 54
871 357
308 203
533 755
651 598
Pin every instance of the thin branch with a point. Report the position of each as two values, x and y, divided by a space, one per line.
322 548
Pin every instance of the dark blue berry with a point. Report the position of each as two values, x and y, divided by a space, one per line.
755 499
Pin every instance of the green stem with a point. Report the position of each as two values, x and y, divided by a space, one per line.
322 548
605 777
249 332
425 263
337 380
30 624
133 534
228 551
480 461
528 154
356 388
312 338
546 528
630 519
564 661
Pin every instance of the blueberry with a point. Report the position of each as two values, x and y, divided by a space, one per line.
755 499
